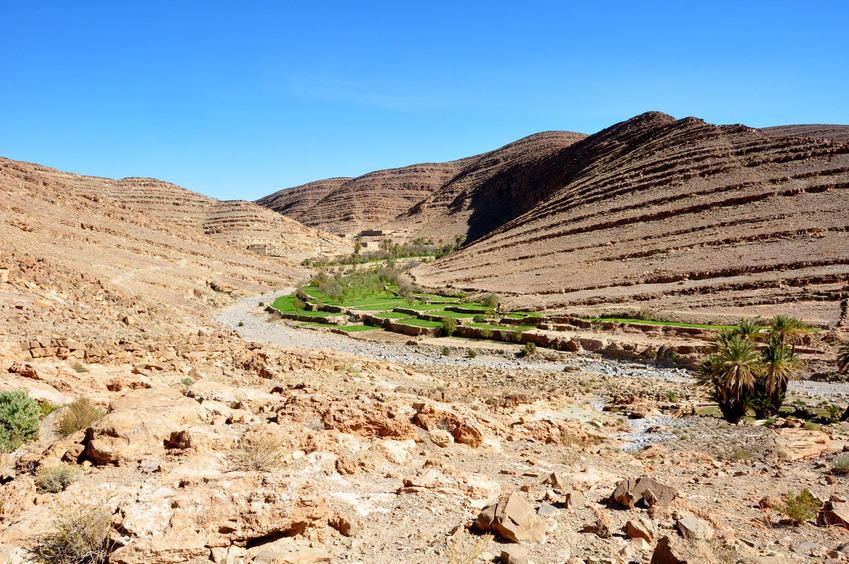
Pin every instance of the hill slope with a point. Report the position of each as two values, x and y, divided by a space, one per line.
95 250
434 200
677 215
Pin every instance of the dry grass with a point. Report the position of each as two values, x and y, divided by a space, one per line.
466 548
53 479
81 536
80 414
258 451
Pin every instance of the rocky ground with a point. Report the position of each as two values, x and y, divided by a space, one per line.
382 450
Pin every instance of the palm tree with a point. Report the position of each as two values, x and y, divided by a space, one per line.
749 331
843 357
732 371
778 365
788 329
843 367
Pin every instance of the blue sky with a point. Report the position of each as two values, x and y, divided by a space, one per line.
237 100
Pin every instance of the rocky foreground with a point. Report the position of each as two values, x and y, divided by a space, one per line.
215 448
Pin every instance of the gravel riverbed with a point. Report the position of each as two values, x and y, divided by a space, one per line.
256 327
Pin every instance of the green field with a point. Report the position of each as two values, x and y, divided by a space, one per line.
420 322
358 328
392 315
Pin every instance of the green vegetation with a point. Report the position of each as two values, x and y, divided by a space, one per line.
472 353
420 322
358 328
449 326
740 376
802 507
393 315
18 420
529 349
80 414
513 328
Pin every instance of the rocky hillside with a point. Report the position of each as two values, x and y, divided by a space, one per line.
425 200
676 215
92 251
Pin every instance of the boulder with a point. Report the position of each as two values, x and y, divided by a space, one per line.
464 430
836 513
515 554
512 518
640 528
630 492
574 500
670 550
798 444
441 438
694 528
139 425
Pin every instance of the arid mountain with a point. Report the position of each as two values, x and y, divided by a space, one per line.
130 247
677 215
823 131
426 200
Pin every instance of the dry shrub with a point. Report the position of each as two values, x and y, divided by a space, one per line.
53 479
79 415
840 465
81 536
466 548
258 451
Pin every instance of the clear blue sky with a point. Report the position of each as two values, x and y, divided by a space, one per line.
240 99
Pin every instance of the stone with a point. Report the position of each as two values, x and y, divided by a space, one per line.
601 526
441 438
836 513
670 550
798 444
515 554
547 510
512 518
557 481
630 492
640 528
345 525
694 528
464 429
574 500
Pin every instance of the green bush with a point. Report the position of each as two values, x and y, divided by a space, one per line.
802 507
479 318
81 536
18 419
529 349
472 353
449 326
54 479
80 414
446 351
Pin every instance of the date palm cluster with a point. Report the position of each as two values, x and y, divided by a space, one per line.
750 366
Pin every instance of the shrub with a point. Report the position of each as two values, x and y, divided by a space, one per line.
486 333
800 508
810 426
81 535
80 367
449 326
491 300
45 408
241 324
479 318
18 419
79 415
261 304
840 465
258 451
188 381
529 349
472 353
54 479
446 351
